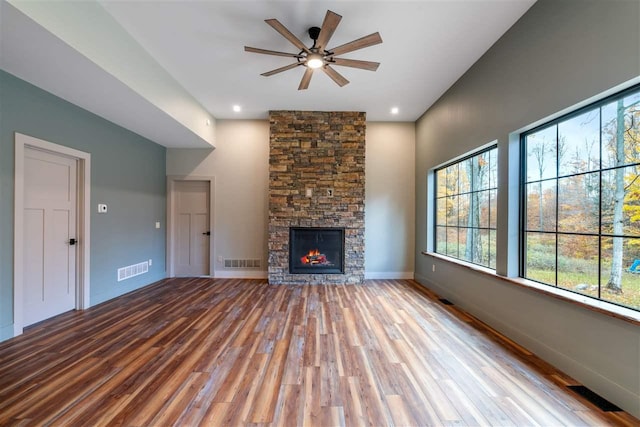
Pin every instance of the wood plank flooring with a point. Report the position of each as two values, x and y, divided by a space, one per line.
212 352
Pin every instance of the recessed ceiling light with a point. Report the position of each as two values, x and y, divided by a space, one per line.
237 108
395 110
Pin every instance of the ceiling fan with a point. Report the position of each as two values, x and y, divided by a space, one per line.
318 56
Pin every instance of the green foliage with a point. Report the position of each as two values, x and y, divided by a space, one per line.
540 258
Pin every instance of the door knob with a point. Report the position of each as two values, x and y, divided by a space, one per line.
207 233
72 242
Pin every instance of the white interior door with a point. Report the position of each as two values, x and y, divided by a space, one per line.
49 226
192 228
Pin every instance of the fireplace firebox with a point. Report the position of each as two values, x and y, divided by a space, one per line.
314 250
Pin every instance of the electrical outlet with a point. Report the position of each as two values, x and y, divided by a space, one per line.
220 259
150 262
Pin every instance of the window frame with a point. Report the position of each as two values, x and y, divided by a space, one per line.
491 187
522 234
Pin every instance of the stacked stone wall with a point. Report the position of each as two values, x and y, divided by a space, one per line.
324 153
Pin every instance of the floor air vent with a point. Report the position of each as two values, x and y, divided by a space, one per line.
242 263
132 270
594 398
445 301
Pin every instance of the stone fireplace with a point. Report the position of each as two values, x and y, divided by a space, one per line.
316 197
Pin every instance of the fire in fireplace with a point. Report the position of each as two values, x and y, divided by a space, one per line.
314 250
314 257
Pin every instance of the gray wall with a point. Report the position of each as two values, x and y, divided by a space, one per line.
240 166
389 200
127 173
558 55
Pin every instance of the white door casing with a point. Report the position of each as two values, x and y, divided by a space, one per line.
49 270
189 215
73 264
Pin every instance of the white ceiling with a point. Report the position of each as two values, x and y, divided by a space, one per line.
427 45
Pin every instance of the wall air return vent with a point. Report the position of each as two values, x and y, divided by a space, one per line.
132 270
242 263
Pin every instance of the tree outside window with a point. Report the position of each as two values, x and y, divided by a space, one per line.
465 204
581 190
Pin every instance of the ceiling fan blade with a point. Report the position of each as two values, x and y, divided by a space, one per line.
271 52
354 63
287 34
335 76
361 43
306 78
329 25
281 69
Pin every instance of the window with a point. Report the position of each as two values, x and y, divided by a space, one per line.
465 207
581 199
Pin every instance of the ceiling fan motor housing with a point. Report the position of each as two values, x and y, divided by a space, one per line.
314 32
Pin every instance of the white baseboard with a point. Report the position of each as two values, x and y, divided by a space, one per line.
240 274
403 275
253 274
421 279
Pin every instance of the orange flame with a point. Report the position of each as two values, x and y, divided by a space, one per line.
313 257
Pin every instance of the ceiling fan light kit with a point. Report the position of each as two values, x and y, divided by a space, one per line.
314 60
317 56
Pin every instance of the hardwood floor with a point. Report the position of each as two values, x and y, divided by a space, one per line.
240 352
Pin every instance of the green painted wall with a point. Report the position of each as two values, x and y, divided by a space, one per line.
127 173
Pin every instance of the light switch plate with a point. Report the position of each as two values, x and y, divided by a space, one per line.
157 224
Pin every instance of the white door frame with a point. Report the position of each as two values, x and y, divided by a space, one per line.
83 223
171 226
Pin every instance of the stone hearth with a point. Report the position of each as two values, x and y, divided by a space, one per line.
316 179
